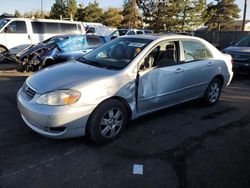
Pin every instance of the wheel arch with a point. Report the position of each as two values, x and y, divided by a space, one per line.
2 46
125 103
221 78
120 99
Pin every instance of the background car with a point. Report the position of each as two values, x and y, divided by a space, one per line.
123 32
240 52
56 50
124 79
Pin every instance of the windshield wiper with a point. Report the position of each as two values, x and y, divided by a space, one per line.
86 61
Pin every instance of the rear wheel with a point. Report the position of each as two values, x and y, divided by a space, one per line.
107 121
213 92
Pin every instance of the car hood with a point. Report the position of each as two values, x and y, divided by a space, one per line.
65 76
33 49
237 49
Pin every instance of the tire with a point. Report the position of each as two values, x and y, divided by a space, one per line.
213 92
20 68
107 121
2 50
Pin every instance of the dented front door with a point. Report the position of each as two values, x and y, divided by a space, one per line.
159 87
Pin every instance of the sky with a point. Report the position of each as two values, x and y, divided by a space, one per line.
10 6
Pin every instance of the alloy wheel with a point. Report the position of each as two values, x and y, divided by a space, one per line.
111 123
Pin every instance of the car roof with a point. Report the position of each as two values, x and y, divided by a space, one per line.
42 20
160 36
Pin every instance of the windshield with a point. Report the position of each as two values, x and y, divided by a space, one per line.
3 23
116 54
245 41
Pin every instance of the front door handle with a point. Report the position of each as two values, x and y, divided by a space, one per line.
179 70
29 37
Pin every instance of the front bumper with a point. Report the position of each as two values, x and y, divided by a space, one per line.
54 121
241 67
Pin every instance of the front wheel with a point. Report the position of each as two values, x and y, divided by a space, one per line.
107 121
213 92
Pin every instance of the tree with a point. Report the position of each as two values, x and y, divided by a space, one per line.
34 14
220 12
191 14
80 13
71 8
131 16
90 13
112 17
59 9
160 14
17 14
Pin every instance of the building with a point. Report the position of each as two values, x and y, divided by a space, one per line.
236 25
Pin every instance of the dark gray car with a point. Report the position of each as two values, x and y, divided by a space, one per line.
240 53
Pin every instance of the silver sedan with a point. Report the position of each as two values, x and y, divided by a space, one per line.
122 80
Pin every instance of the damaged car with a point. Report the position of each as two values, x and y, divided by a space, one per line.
56 50
122 80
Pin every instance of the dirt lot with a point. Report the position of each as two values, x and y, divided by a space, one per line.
184 146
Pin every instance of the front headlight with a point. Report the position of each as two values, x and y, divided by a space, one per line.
60 97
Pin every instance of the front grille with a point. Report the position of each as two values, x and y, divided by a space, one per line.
28 92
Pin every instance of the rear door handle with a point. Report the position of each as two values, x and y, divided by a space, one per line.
179 70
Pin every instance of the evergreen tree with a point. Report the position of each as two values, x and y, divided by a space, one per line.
80 13
58 9
71 8
112 17
130 13
191 14
220 12
17 14
160 14
90 13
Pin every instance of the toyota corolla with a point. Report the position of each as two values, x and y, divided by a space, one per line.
122 80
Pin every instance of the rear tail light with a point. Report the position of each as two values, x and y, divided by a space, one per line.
232 61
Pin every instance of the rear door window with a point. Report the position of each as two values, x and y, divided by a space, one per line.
68 28
195 51
55 28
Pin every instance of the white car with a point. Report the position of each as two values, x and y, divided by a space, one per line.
124 79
